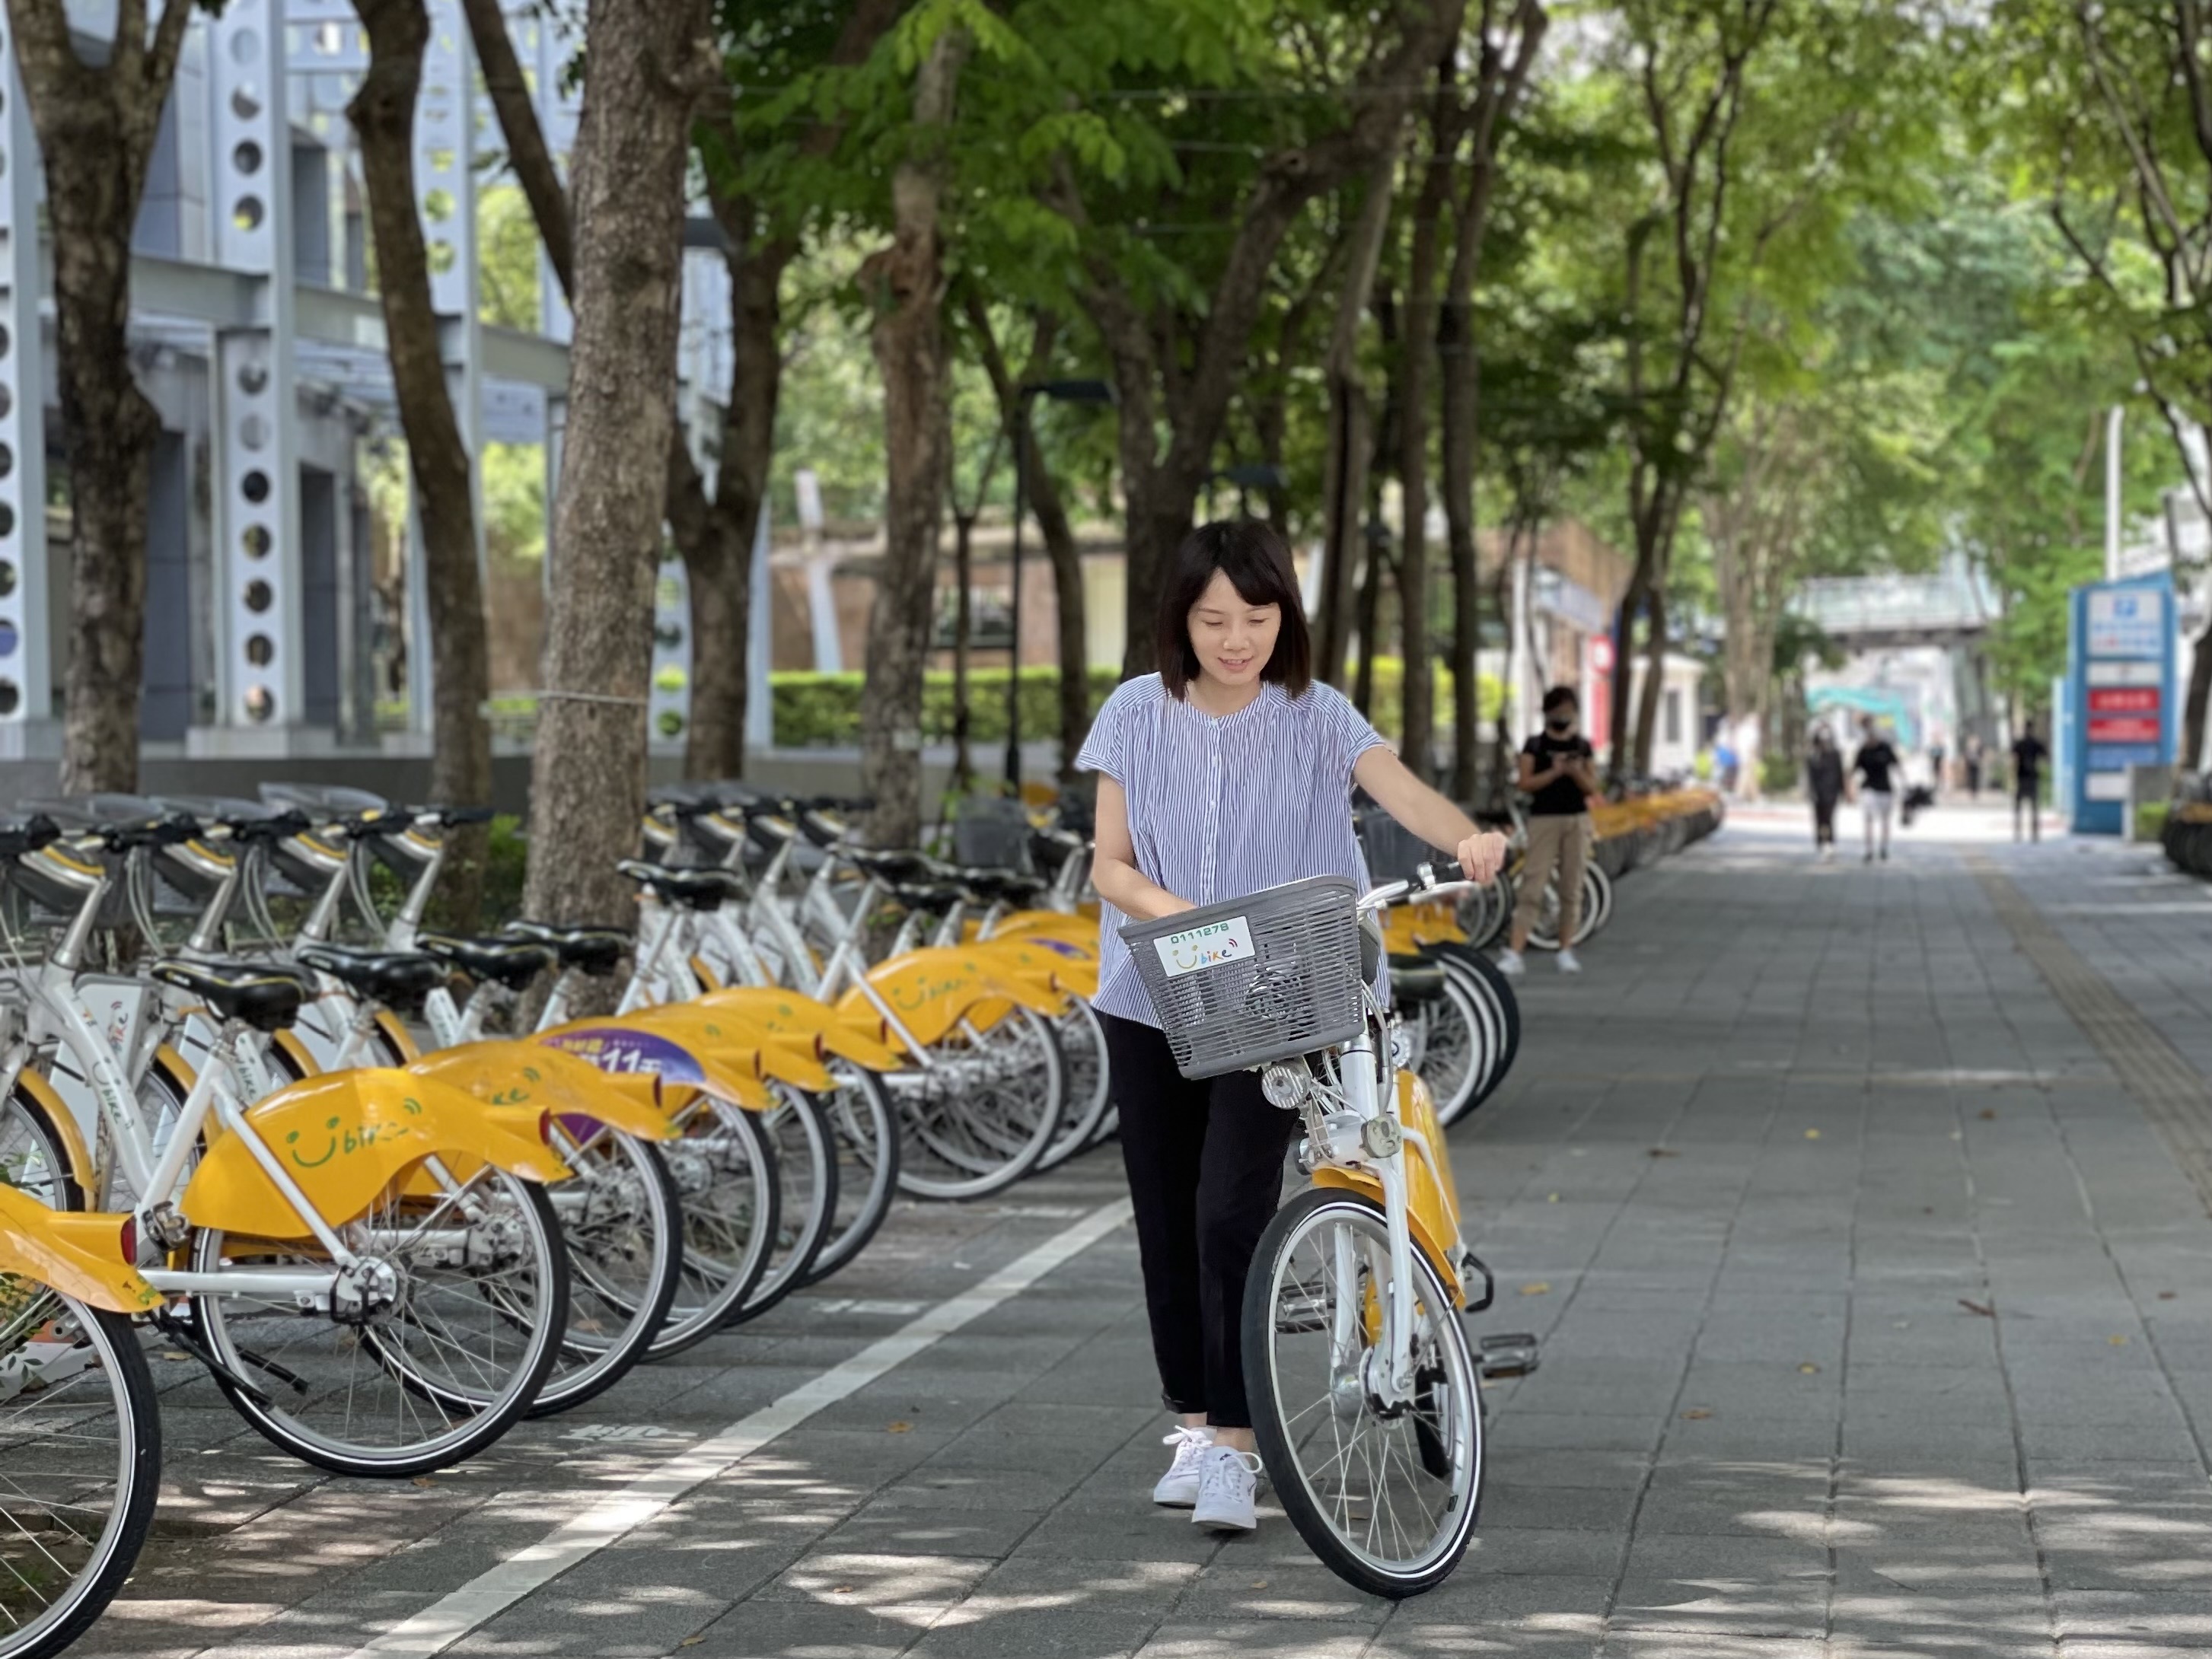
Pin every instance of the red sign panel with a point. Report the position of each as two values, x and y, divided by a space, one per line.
2123 700
2128 729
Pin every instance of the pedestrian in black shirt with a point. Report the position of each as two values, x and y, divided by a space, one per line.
1972 754
1877 764
1558 772
1823 781
2028 755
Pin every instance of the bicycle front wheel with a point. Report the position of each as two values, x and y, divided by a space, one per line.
80 1465
624 1225
1383 1488
867 1130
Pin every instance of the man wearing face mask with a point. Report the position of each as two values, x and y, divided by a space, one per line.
1558 772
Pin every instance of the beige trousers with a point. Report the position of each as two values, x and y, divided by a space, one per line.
1558 842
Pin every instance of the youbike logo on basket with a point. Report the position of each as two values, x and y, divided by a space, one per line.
1205 947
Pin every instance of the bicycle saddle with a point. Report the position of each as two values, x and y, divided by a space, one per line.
589 949
27 836
400 979
700 890
513 962
897 867
266 995
1415 980
242 821
1010 885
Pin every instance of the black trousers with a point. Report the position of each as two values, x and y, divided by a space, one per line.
1206 1173
1824 820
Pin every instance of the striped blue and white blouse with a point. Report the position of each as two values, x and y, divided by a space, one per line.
1220 808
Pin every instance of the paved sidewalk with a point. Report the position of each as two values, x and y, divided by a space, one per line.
1876 1321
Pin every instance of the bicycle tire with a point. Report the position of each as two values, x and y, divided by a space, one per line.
469 1416
34 1157
1452 1049
725 1170
1496 991
1460 1418
867 1126
44 1632
631 1218
806 1201
934 1109
1089 1086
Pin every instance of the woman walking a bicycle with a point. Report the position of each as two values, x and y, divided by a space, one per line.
1228 771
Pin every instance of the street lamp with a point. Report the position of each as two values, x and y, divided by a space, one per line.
1066 392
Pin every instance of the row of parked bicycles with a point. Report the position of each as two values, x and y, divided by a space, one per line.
395 1192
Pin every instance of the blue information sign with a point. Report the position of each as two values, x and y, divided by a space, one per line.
2120 703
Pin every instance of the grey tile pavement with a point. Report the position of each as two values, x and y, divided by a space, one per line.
1875 1326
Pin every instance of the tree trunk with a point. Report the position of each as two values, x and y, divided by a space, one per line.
964 573
1417 707
382 113
1051 514
651 62
1655 675
96 123
2200 691
905 283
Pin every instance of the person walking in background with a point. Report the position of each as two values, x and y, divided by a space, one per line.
1971 753
1877 765
1823 781
2028 754
1559 770
1935 758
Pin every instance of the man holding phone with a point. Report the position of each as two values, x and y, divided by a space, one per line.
1559 772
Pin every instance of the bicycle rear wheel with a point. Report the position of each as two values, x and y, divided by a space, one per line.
1385 1494
33 1159
725 1170
461 1334
80 1465
1083 1041
866 1129
980 1117
624 1225
806 1204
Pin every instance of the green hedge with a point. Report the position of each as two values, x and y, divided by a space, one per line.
814 710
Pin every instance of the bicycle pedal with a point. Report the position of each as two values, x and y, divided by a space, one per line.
1508 1354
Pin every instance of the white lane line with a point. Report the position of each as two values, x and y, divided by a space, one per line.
438 1627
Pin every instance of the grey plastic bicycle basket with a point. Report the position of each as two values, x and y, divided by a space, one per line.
1267 976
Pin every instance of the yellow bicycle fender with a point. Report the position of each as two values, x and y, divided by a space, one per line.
76 1252
1417 1110
1048 924
403 1039
932 991
64 1125
345 1138
792 1057
516 1074
1425 1237
708 978
777 1011
296 1052
680 1069
1042 961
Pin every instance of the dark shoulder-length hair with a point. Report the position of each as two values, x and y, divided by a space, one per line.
1256 560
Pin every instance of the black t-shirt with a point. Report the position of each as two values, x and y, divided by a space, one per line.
1561 797
2028 757
1875 762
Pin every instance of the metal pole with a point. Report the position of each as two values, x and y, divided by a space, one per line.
1014 646
2112 493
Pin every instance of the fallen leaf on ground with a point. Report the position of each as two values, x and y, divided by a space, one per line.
900 1428
1663 1151
1259 1583
1539 1288
1976 1308
2167 1295
2117 1341
1988 1114
424 1481
1809 1370
1811 1134
1550 1198
691 1641
1696 1414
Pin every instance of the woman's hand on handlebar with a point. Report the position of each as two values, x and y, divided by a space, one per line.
1482 855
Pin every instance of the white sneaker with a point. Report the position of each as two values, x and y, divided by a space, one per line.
1178 1487
1509 962
1227 1479
1568 963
